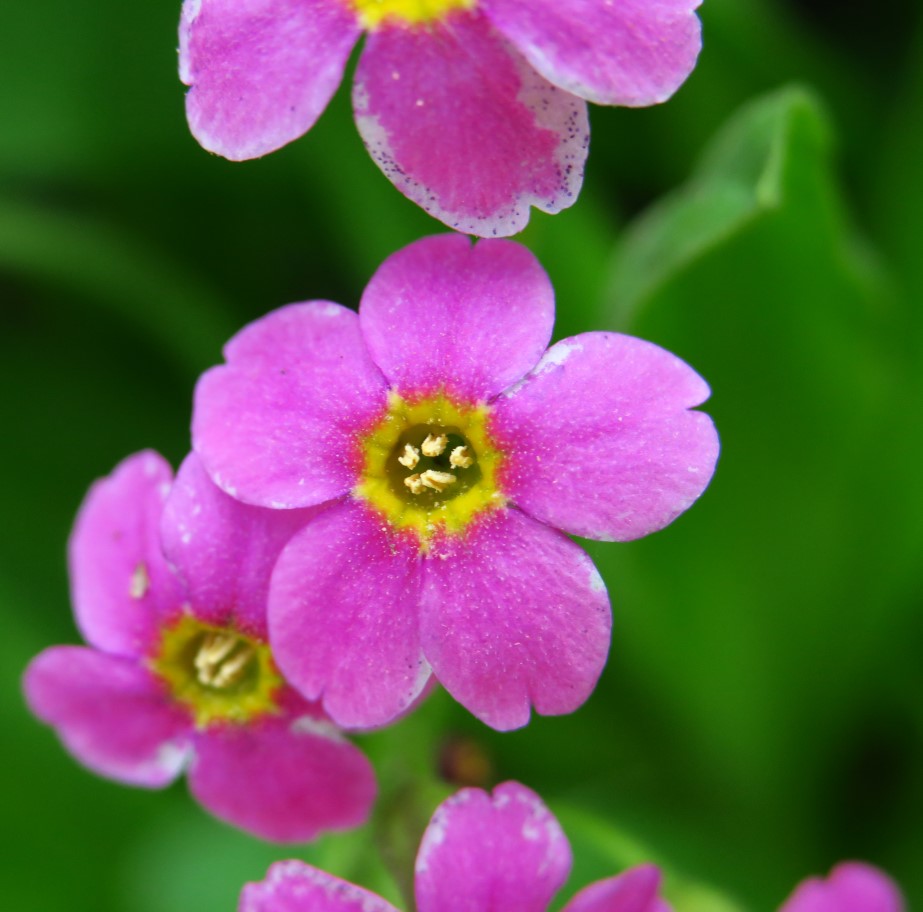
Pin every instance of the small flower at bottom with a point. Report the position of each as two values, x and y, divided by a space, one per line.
503 851
179 672
474 109
852 886
453 453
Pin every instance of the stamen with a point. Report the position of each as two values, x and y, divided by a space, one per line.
415 483
140 582
438 481
410 458
461 458
434 446
215 648
232 670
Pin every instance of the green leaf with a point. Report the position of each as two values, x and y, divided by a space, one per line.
766 622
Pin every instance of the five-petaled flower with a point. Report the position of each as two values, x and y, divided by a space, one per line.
851 887
452 452
480 852
179 672
474 109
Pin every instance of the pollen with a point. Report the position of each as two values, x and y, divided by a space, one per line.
438 481
460 458
410 458
414 483
434 445
140 582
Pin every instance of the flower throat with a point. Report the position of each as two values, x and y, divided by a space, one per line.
411 12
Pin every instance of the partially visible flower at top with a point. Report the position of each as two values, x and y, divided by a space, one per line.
851 887
179 672
450 448
474 109
480 853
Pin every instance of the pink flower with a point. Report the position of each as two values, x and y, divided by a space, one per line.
474 109
179 673
480 852
449 448
851 887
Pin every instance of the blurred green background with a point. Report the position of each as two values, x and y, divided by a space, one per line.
761 714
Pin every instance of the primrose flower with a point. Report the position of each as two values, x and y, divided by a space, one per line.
480 852
474 109
452 453
851 887
179 672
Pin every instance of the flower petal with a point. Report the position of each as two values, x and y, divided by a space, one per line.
442 314
514 613
277 426
110 713
634 52
293 886
851 887
343 616
260 71
224 550
599 440
634 891
501 851
465 128
120 583
301 778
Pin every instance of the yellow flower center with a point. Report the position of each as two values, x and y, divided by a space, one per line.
430 464
220 674
373 12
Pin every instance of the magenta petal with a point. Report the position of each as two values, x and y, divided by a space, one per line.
224 550
502 851
282 779
293 886
343 616
110 713
851 887
634 52
599 440
278 425
120 583
634 891
442 314
260 71
465 128
514 614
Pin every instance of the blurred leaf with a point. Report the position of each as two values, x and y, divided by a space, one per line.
757 613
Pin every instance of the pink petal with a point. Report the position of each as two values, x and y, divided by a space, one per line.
599 441
465 128
278 425
224 550
293 886
442 314
282 779
634 891
260 71
851 887
501 851
110 713
343 616
120 583
514 613
634 52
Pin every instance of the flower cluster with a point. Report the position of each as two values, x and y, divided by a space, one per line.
374 501
507 852
474 109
